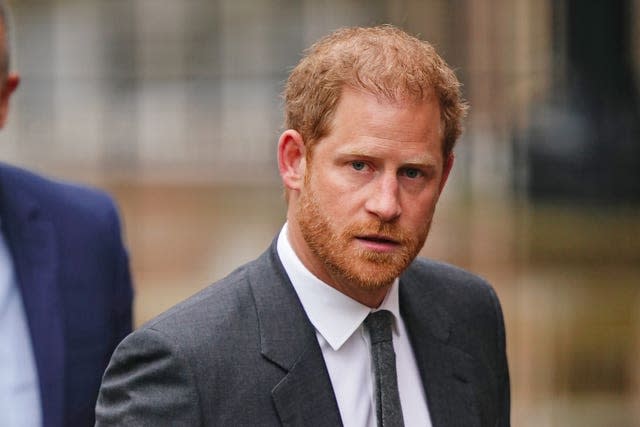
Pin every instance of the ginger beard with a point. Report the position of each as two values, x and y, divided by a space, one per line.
340 253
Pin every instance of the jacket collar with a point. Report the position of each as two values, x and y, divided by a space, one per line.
305 395
32 242
446 370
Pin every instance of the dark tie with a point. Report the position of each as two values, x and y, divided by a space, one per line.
388 409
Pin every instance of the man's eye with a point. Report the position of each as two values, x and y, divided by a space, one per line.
358 165
412 173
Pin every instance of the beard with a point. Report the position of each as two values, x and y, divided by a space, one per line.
347 261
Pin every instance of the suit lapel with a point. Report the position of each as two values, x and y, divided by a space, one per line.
304 396
31 239
446 371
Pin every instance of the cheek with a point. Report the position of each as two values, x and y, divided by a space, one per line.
420 210
335 193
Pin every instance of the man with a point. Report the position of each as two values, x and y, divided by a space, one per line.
288 339
65 289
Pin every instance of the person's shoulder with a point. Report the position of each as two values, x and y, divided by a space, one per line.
443 273
221 307
447 282
59 198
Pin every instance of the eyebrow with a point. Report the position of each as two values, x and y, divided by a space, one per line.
420 165
418 162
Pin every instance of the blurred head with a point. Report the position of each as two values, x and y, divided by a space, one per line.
9 81
4 40
383 61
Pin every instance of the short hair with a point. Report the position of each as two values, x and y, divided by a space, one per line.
384 61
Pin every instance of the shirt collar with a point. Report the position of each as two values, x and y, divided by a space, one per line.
334 315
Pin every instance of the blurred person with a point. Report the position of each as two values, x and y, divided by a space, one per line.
338 322
65 289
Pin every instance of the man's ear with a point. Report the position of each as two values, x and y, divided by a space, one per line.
10 85
446 169
292 159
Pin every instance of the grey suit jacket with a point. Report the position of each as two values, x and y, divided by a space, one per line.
242 352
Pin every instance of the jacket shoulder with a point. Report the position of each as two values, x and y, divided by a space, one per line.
456 290
214 312
441 274
71 207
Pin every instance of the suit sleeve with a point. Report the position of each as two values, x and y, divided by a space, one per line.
122 286
148 383
504 396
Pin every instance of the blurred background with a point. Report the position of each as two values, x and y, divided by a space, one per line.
173 107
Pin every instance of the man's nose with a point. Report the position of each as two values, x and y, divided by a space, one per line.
384 200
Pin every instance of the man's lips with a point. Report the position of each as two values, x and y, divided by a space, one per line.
378 239
379 242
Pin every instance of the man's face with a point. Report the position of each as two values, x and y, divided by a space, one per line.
370 191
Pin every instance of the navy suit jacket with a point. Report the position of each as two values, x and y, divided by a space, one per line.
242 352
72 271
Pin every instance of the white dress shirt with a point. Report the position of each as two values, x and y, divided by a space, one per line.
19 390
345 345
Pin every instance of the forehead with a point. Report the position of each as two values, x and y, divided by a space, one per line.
363 116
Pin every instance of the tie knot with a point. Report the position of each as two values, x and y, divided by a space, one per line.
379 326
